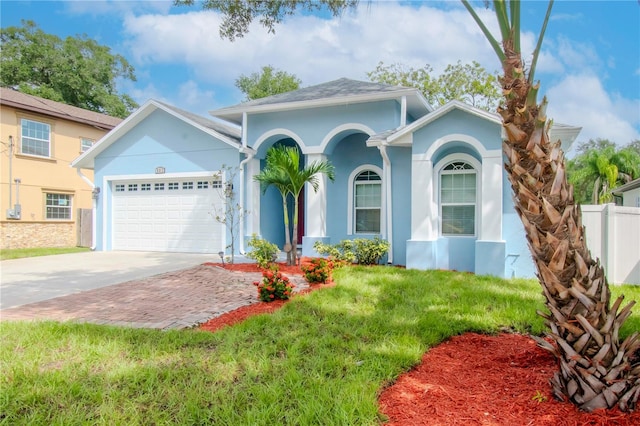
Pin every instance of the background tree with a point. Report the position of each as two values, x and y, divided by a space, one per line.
469 83
267 82
76 71
599 167
595 369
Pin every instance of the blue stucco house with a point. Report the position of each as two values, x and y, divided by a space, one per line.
430 181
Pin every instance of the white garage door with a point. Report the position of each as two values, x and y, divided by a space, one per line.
171 215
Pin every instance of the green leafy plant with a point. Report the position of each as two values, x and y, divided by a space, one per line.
363 251
262 251
317 270
274 286
539 397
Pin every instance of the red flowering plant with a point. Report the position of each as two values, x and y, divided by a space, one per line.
274 286
317 270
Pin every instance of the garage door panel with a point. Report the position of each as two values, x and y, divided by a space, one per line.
177 220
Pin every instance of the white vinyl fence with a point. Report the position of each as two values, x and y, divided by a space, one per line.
613 236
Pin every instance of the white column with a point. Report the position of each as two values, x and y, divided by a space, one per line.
491 199
316 203
253 197
424 218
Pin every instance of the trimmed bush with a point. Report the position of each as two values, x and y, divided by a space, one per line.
262 251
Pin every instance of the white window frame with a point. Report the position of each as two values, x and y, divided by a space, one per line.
86 144
68 208
26 137
477 169
351 230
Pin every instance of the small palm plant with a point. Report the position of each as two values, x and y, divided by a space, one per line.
273 174
283 171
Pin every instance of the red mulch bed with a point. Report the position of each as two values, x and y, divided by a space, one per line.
470 379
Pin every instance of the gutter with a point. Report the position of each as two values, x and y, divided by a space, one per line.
94 209
388 206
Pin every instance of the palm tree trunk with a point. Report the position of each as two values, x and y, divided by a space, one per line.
294 248
287 235
595 369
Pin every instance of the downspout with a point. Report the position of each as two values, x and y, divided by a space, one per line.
389 209
94 209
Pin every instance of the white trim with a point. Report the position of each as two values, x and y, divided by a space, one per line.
350 205
281 132
341 128
437 171
338 100
443 110
458 137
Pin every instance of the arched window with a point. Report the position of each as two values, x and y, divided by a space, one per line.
367 202
458 199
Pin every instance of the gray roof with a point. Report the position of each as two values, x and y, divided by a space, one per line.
341 91
627 186
228 130
342 87
19 100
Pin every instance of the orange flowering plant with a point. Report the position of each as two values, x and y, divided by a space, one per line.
274 286
317 270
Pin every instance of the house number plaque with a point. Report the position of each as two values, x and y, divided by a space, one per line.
160 170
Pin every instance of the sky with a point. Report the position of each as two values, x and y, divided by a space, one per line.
589 66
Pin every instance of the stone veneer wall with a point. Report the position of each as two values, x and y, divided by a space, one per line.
37 234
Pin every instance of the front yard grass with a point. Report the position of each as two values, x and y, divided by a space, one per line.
321 359
40 251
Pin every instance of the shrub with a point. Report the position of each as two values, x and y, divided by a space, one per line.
317 270
369 252
341 252
262 251
361 250
274 286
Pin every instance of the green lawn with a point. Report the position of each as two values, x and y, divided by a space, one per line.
41 251
322 359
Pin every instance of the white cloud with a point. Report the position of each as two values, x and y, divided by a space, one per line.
314 49
318 50
581 100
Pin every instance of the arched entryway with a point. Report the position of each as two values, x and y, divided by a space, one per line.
272 222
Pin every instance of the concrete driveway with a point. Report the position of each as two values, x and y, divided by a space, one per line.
34 279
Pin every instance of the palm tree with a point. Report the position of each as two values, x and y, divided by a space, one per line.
604 170
283 171
273 174
595 369
297 180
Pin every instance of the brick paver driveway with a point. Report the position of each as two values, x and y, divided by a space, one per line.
173 300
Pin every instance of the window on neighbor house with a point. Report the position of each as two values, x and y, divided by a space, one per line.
458 199
85 144
58 206
36 138
367 193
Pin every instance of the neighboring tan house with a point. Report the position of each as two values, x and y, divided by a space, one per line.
431 182
630 193
41 193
